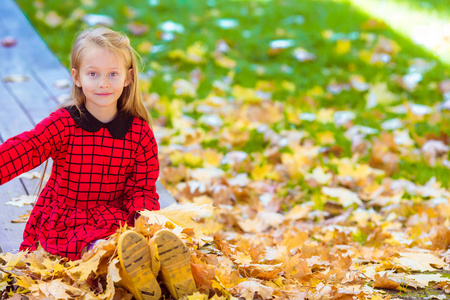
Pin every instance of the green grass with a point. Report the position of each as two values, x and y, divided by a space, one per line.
327 23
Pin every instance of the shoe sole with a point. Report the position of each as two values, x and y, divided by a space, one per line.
175 260
135 259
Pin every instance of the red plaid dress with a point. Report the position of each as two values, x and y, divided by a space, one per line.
102 174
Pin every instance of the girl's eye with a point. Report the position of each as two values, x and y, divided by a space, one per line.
114 74
92 74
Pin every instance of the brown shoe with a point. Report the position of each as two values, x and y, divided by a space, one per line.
135 261
174 259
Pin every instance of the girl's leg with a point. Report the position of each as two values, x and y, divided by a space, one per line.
174 258
135 261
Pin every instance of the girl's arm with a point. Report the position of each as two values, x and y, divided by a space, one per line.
140 189
29 149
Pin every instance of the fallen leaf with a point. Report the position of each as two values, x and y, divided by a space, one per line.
15 78
247 289
180 215
22 200
8 41
138 29
385 283
95 20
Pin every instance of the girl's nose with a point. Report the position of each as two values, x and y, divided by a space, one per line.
104 83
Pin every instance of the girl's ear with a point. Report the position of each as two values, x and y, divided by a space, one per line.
75 77
129 77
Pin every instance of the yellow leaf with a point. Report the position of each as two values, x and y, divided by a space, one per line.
247 289
225 62
197 296
417 261
60 290
343 195
227 277
24 281
112 278
183 216
365 55
299 212
316 91
263 171
343 46
379 92
196 53
288 86
183 87
326 115
245 94
327 34
192 160
13 259
326 138
212 158
319 176
292 115
145 47
242 258
81 272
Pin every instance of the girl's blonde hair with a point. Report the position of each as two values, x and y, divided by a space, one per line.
131 100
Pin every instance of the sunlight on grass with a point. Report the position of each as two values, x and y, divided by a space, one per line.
427 28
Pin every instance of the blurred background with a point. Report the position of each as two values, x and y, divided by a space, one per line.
365 80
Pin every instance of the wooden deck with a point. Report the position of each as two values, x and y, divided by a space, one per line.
29 72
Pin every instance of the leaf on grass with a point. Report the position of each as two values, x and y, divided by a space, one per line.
53 19
385 283
423 280
94 20
344 196
299 212
137 28
417 261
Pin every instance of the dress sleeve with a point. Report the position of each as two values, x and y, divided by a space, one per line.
140 188
29 149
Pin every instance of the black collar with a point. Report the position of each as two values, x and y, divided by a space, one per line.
118 127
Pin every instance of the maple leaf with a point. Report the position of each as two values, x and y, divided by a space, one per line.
385 283
247 289
344 196
81 272
59 290
112 278
181 216
418 261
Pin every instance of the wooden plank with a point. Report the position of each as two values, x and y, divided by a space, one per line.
11 233
34 53
24 104
13 119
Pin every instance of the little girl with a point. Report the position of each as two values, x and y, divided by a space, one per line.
105 166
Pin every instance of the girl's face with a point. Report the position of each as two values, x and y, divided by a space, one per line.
102 77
